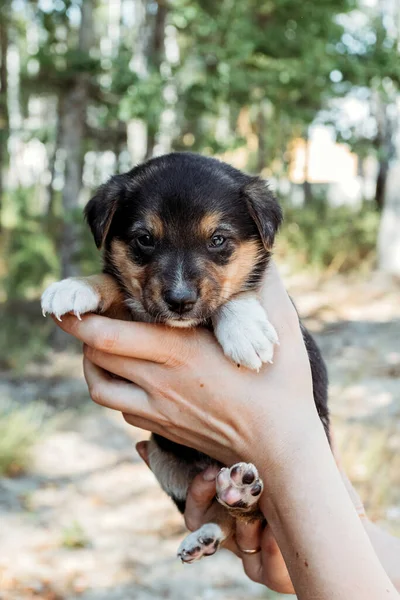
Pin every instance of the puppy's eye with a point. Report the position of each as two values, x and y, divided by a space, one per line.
146 241
217 241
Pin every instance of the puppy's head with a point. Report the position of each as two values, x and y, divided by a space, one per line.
182 234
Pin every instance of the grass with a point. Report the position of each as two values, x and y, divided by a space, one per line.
20 429
73 537
371 458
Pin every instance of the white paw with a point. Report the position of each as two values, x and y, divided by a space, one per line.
242 328
69 295
202 542
239 487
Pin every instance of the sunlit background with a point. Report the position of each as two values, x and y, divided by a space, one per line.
305 93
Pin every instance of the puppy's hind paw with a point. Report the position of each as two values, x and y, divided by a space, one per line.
239 487
202 542
69 295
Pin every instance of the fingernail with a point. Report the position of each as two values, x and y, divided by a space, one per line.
210 474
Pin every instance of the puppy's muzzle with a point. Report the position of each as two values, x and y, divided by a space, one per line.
181 301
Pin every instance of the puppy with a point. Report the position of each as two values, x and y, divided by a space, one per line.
187 240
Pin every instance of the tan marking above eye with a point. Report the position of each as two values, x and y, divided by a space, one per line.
209 223
154 224
235 274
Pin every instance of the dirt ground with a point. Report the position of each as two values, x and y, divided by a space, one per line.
89 521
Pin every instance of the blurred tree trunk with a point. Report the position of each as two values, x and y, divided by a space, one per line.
306 185
389 231
262 145
385 149
72 115
388 181
384 143
4 116
381 180
151 140
50 195
155 54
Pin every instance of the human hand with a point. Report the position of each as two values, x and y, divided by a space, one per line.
267 566
180 385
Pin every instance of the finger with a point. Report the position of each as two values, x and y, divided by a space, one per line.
151 425
267 566
248 537
275 573
276 301
142 449
231 545
152 342
132 369
248 534
114 393
200 497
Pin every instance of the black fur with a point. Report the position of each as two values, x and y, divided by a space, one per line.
182 188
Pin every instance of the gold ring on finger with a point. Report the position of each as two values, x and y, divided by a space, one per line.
252 551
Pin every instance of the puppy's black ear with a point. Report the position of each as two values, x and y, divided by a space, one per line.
100 210
264 209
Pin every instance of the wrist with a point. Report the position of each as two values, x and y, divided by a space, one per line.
315 524
278 448
295 476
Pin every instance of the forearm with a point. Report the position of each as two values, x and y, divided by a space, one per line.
326 548
387 548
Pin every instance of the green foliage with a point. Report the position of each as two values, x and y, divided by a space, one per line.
24 334
62 67
339 239
249 75
89 257
20 429
29 247
31 258
143 99
249 52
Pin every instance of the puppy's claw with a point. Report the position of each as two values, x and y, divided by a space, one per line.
70 296
44 313
58 318
78 315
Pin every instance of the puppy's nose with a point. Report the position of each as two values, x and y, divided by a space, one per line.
181 300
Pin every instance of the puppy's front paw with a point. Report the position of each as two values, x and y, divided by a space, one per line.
244 332
239 487
202 542
69 295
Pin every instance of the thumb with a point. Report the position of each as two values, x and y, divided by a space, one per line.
200 496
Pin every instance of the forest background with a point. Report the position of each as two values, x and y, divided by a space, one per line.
305 93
